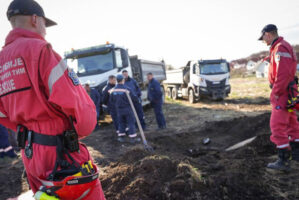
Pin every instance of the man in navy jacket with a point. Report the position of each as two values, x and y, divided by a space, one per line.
107 101
154 95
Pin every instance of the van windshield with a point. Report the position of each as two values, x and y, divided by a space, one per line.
90 65
217 68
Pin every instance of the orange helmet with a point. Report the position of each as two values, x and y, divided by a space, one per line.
71 187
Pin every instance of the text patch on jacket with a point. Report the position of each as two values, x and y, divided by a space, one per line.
13 77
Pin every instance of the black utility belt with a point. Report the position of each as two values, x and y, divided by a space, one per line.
68 140
37 138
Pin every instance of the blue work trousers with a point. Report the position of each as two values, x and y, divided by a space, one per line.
115 120
159 114
126 120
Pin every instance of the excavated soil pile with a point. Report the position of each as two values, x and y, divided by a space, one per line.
140 175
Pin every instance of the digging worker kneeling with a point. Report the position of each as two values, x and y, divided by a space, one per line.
124 110
45 102
284 125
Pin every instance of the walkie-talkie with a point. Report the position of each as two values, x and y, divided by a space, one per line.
71 141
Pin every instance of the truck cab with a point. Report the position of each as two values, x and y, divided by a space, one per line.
94 65
213 78
201 78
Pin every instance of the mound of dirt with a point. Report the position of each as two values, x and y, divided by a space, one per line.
150 177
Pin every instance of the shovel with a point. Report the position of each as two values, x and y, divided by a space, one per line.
146 145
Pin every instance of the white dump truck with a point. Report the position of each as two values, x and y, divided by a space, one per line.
202 78
94 65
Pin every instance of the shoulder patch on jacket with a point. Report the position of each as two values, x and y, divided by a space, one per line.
73 76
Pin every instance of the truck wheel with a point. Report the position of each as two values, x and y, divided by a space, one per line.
168 93
174 93
191 96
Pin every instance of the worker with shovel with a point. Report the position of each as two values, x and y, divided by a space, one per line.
124 110
283 123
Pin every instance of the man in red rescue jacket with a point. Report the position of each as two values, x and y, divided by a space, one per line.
284 125
38 94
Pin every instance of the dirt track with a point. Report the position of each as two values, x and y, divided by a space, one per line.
181 167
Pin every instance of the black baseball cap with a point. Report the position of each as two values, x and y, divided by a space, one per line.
27 7
266 29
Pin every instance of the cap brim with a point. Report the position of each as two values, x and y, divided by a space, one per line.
50 22
261 37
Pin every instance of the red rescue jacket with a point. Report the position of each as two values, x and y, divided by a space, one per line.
38 91
282 67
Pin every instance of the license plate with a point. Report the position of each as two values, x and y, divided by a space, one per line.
216 82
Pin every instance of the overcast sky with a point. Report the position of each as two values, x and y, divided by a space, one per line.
176 30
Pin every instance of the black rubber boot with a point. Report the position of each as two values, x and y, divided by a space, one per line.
295 150
283 162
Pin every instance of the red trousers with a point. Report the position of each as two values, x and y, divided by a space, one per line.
284 125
